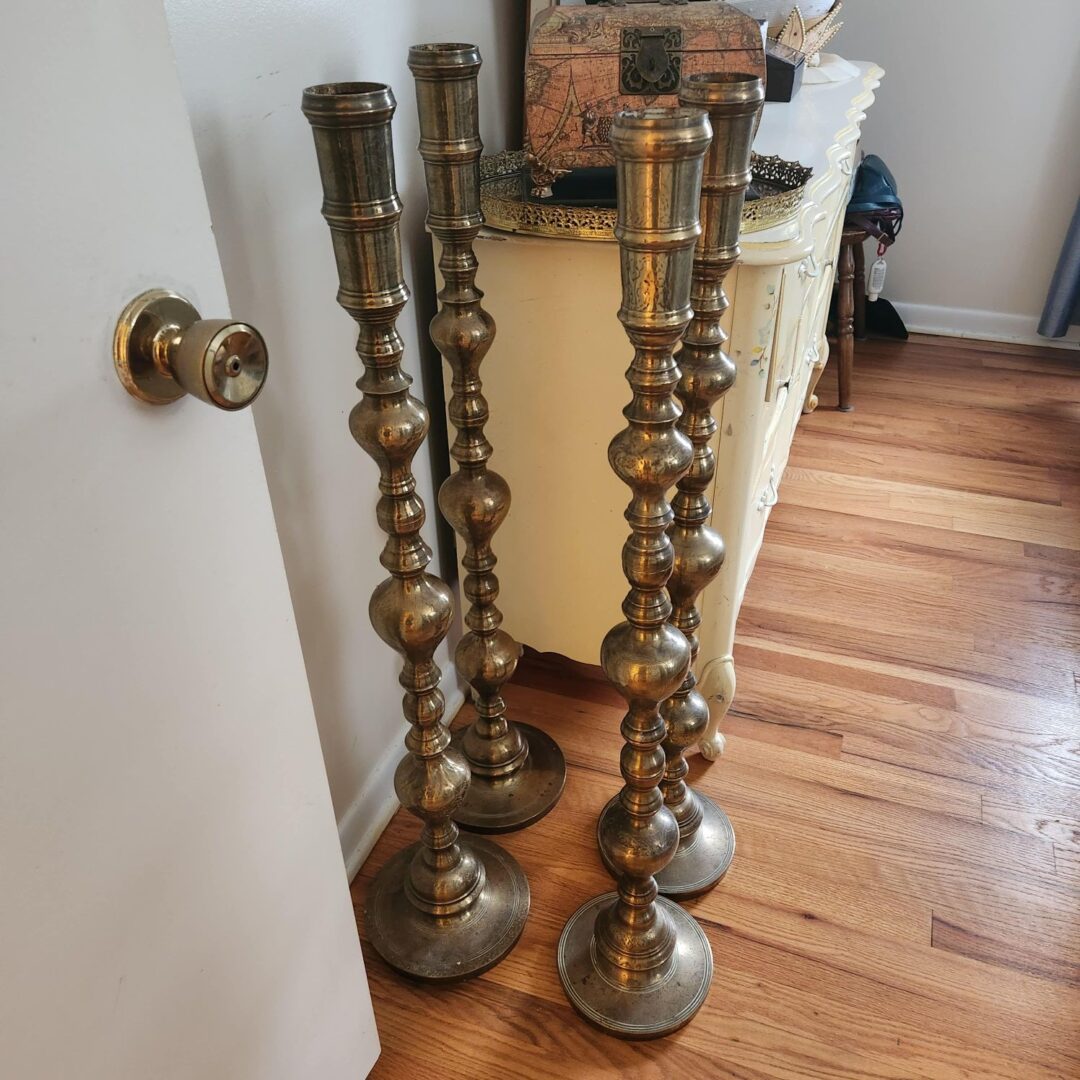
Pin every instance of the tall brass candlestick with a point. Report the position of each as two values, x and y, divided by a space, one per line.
439 910
633 964
518 771
733 102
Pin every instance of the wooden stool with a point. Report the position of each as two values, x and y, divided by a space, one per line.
850 308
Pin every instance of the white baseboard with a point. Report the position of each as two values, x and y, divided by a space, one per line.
370 812
981 325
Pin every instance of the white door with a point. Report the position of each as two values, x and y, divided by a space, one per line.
173 902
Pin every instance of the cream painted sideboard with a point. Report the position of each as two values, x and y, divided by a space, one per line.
554 380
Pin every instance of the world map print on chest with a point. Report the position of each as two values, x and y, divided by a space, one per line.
586 64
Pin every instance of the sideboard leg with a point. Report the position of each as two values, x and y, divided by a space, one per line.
819 358
845 329
860 292
717 685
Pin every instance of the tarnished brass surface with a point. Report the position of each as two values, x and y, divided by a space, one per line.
443 910
162 350
637 967
517 772
696 864
733 103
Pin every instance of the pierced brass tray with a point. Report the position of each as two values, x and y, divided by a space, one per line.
505 184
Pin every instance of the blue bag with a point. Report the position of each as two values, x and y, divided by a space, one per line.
875 204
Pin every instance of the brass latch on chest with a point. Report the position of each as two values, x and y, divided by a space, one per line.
651 60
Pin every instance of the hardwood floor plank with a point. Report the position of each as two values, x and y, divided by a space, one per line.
962 758
990 435
893 785
1032 953
1025 898
834 451
986 392
1067 866
855 674
941 742
883 830
1005 814
934 973
837 1005
988 590
820 743
962 511
998 707
902 545
1039 671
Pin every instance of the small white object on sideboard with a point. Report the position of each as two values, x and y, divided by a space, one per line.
554 380
775 12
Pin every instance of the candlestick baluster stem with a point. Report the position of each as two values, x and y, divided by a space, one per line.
518 771
733 102
631 963
441 909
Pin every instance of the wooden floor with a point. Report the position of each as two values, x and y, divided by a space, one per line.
902 767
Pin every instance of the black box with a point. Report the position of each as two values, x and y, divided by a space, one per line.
784 71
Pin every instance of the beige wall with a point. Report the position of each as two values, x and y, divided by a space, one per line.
979 118
243 66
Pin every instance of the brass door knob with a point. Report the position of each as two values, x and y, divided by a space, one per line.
163 350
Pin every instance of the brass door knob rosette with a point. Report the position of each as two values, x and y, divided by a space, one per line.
163 350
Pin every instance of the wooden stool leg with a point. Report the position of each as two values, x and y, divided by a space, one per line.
860 292
845 324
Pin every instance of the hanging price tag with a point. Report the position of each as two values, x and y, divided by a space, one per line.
876 280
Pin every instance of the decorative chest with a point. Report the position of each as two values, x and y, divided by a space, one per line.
584 64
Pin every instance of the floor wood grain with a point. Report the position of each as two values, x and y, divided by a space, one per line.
902 767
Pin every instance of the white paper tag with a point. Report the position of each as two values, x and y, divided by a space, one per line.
876 281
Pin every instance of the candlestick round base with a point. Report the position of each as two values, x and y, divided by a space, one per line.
632 1012
504 803
703 859
448 948
698 864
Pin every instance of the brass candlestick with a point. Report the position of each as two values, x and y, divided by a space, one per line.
439 910
633 964
733 102
518 771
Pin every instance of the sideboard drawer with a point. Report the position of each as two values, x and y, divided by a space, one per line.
777 421
765 495
765 491
795 282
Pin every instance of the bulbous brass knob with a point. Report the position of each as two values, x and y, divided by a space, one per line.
163 350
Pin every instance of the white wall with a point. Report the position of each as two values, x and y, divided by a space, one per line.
243 66
978 117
